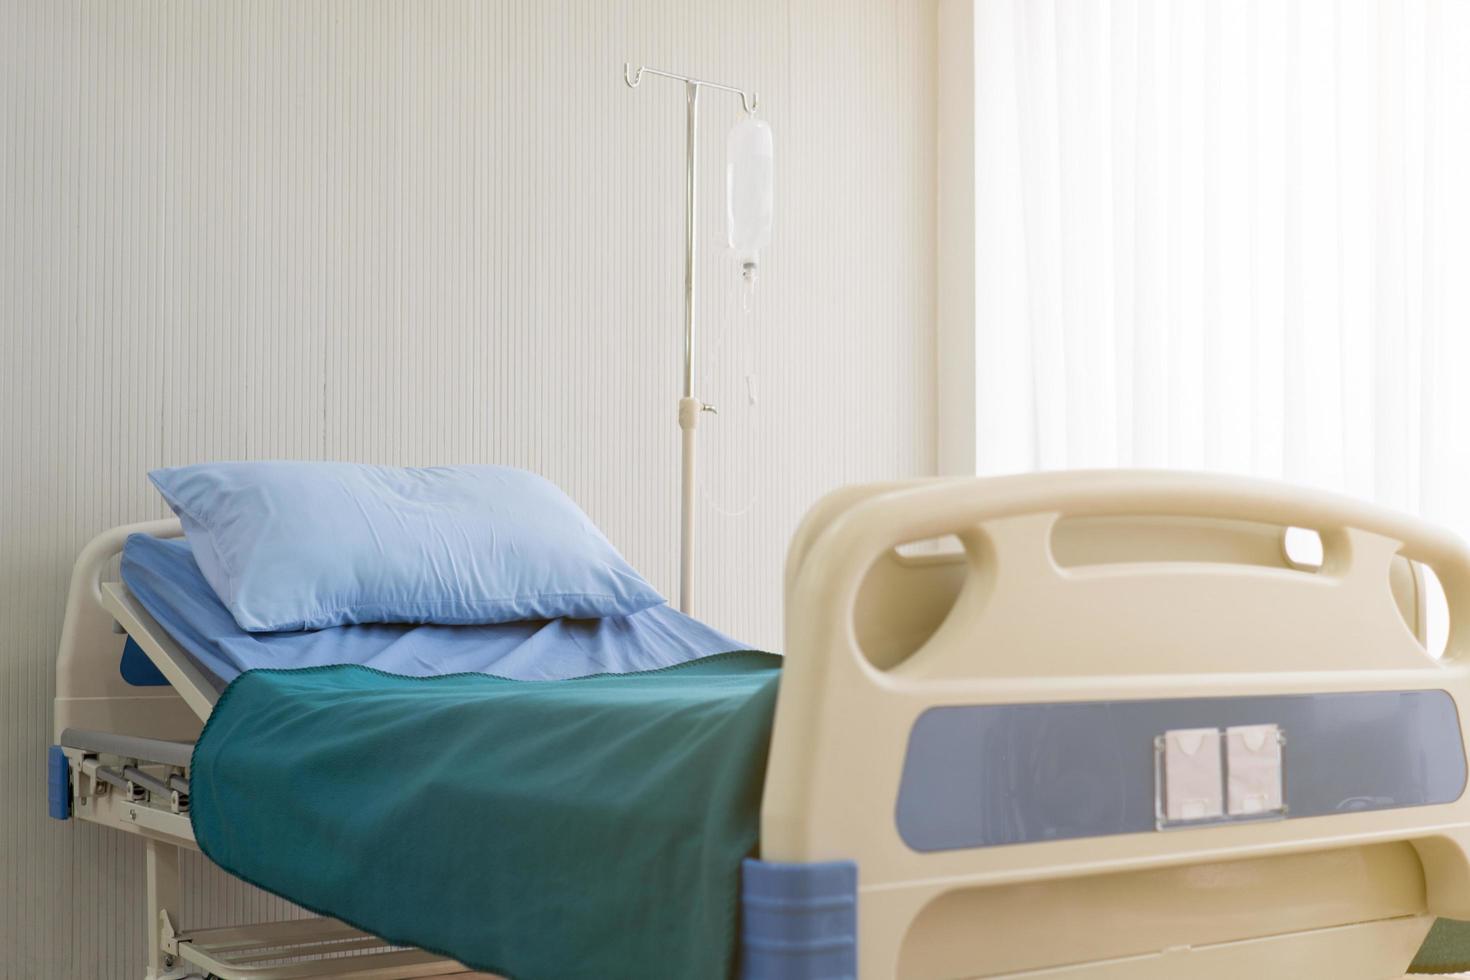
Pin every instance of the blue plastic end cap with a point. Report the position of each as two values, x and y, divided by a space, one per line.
799 921
137 669
58 784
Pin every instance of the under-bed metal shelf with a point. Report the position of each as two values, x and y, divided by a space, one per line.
300 949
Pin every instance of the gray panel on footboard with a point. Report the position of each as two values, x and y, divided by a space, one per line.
984 775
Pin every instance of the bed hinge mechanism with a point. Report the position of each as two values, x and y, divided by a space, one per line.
168 939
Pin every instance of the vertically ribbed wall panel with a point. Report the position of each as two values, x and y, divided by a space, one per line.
430 233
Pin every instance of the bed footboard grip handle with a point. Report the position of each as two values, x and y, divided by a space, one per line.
58 784
799 921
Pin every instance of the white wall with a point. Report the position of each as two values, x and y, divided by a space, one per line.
426 233
956 181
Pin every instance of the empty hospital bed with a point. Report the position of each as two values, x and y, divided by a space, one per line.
1119 733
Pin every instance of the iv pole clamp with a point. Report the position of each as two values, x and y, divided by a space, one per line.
690 407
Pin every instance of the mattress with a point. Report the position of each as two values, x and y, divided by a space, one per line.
162 575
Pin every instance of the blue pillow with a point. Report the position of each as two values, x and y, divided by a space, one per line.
298 545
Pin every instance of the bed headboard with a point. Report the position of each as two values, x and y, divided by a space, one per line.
91 692
1123 590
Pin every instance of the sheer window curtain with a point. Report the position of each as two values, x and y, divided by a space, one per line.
1227 235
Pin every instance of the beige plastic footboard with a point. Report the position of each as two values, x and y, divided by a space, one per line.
1110 586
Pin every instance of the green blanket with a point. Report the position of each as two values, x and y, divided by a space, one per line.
536 829
1446 950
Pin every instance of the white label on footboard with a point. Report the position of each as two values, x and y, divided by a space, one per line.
1253 761
1205 775
1191 775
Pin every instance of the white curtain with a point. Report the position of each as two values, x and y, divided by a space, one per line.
1227 235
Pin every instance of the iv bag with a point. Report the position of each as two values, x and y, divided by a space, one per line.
749 193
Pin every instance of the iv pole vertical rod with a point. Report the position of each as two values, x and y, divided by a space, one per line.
689 407
691 228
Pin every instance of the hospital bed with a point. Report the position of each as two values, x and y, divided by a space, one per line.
1113 730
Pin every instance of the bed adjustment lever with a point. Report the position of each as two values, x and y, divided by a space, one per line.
165 789
114 777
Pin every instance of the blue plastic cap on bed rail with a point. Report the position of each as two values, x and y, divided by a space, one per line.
58 784
137 669
799 921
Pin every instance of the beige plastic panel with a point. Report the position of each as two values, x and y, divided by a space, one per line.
1343 953
1062 596
196 687
90 691
905 596
1029 926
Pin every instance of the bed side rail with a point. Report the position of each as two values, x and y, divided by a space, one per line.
1026 629
91 692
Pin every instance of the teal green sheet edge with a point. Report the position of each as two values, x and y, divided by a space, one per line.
535 829
1446 949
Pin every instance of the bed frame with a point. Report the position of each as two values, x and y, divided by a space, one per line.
971 770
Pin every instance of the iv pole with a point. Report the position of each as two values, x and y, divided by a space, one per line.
689 406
